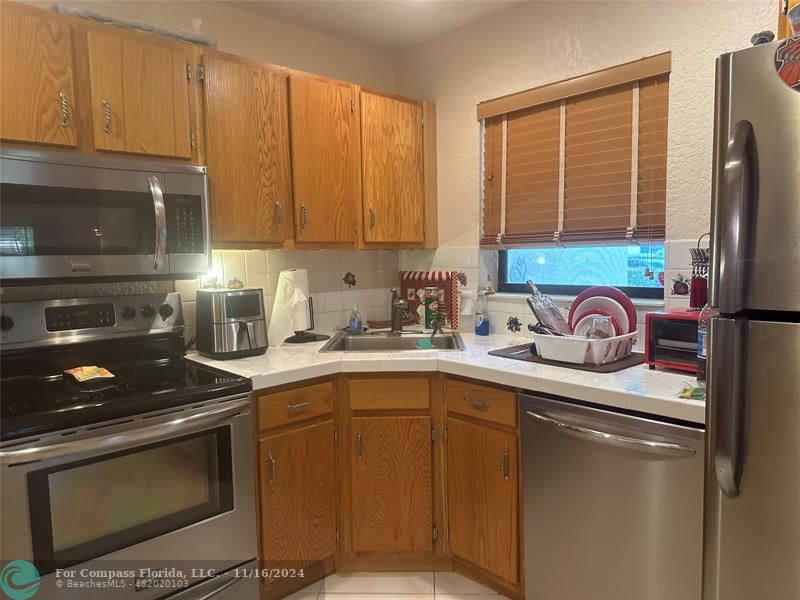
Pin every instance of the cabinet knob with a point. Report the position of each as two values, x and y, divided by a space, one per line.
106 115
64 109
273 472
303 216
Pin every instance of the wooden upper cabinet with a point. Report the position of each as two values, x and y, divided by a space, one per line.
392 169
298 495
482 491
139 93
391 484
247 151
784 26
37 92
325 157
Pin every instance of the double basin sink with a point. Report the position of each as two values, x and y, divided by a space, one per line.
386 341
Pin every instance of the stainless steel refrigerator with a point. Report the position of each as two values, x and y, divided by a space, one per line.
752 483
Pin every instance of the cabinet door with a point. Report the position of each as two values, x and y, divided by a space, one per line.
784 26
482 497
325 159
298 523
391 484
247 150
37 94
139 93
391 146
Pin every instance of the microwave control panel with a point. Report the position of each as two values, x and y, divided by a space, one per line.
185 232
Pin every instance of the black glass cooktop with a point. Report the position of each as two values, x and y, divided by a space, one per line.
37 397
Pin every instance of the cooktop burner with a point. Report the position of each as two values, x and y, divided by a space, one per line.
36 396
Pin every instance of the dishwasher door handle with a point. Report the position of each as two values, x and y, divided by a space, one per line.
613 439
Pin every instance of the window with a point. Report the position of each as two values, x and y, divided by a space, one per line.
582 160
638 270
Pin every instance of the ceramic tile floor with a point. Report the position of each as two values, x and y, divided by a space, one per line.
396 586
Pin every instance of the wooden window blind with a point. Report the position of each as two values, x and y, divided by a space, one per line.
587 167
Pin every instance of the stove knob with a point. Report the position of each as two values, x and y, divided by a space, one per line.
128 312
6 323
147 310
165 310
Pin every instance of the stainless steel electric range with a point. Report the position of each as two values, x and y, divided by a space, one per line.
144 479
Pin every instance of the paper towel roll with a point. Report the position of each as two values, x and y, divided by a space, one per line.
468 298
290 309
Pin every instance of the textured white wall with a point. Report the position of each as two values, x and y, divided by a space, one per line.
256 37
541 42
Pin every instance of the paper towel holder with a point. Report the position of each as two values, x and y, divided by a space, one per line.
306 336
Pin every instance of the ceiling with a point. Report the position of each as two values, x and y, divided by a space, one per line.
388 24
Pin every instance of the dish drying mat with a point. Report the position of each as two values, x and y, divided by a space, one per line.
514 353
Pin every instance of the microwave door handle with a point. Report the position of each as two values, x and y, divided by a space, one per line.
133 435
161 220
737 191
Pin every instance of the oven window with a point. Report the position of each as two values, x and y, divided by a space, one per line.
56 221
90 508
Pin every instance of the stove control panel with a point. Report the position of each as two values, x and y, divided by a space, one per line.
58 321
80 316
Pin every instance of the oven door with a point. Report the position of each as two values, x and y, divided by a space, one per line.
82 220
172 491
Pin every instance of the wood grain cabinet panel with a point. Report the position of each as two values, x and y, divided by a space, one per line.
391 484
247 151
139 93
392 169
325 158
482 492
298 514
481 402
295 405
37 92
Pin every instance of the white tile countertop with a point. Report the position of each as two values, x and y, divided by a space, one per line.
636 388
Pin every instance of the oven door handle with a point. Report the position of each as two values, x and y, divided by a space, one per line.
161 221
126 438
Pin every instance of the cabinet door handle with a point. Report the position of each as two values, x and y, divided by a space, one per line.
372 218
298 405
273 473
106 115
475 403
64 109
278 213
359 446
504 465
303 216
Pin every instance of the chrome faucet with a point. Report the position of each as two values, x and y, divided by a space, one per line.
398 309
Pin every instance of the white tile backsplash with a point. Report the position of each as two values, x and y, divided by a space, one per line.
376 271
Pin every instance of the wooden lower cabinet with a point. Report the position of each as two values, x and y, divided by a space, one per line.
483 497
298 495
391 484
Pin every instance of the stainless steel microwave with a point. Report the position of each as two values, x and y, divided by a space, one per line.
65 216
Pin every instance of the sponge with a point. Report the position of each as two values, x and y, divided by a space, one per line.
424 344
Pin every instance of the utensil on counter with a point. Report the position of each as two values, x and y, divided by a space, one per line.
546 311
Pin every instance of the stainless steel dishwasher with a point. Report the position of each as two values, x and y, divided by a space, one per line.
613 504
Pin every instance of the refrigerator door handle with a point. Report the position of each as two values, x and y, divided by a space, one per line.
726 400
738 190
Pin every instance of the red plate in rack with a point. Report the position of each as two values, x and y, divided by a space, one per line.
614 294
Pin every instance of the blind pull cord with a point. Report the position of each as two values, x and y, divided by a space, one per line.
630 233
503 163
562 163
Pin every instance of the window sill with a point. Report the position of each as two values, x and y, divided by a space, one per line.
643 303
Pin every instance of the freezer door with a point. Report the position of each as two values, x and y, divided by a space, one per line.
752 485
756 185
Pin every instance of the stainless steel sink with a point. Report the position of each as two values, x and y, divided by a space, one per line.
385 341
